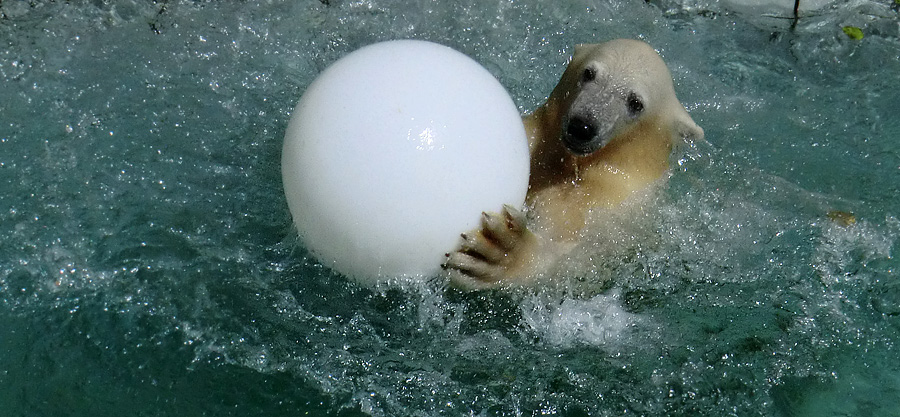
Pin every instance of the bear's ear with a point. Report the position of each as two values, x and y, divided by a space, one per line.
686 128
581 50
579 46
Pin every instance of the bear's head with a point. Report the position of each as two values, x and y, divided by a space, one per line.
609 88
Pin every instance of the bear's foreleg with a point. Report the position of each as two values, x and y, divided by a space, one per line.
499 253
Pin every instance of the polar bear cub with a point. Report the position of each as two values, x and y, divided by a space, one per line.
606 131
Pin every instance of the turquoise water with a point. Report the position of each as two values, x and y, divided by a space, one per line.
148 265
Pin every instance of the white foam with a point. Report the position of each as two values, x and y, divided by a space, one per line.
598 321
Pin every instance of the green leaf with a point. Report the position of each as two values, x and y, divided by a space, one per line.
854 32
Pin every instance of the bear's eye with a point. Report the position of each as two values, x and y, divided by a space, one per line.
635 104
588 75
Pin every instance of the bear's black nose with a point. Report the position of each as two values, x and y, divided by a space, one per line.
580 130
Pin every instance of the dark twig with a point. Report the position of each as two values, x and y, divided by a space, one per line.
796 14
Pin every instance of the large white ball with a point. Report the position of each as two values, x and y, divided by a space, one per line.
396 149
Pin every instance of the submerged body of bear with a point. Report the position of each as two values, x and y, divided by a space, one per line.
606 131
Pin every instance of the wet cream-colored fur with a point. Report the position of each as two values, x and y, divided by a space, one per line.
606 131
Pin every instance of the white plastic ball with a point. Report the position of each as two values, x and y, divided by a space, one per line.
396 149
